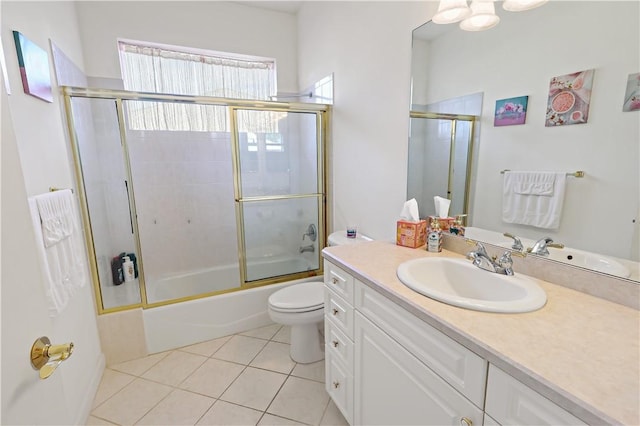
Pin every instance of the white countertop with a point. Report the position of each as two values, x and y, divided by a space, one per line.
580 351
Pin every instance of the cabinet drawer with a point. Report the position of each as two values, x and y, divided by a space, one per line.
339 385
340 346
511 402
338 281
461 368
339 312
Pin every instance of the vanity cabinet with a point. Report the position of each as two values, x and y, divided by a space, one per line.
338 336
385 366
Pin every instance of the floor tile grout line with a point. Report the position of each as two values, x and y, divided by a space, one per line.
116 392
234 380
215 400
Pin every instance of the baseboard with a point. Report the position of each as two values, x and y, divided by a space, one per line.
90 395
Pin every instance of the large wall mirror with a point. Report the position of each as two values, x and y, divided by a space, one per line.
460 72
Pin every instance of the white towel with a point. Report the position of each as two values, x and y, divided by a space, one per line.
55 210
60 246
533 198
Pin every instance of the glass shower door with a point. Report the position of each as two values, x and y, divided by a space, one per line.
106 185
280 193
181 164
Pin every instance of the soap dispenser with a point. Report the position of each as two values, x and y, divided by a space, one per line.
434 239
458 228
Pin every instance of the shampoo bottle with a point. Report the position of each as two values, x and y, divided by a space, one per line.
129 271
434 239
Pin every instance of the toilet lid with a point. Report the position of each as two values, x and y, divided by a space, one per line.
302 297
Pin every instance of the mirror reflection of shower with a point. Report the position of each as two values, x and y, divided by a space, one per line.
203 210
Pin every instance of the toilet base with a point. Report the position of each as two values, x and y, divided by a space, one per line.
306 344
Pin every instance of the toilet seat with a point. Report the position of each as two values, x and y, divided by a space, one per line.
304 297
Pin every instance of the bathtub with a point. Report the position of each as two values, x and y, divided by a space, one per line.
186 323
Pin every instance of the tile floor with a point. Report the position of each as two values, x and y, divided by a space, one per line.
244 379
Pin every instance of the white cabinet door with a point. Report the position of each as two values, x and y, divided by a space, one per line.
393 388
513 403
460 367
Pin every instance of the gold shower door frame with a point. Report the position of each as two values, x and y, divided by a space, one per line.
454 118
321 112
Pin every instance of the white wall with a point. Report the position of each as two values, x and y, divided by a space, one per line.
43 157
367 45
606 147
212 25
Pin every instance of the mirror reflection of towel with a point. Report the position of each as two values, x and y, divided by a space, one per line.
533 198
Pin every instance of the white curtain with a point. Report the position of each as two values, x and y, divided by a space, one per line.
151 69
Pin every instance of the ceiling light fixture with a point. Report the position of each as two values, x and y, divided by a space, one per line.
482 13
450 11
483 16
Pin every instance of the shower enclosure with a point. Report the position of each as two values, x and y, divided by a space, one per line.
205 195
440 158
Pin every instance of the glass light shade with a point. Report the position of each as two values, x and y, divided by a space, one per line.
483 16
520 5
450 11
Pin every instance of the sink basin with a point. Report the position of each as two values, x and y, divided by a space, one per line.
588 260
458 282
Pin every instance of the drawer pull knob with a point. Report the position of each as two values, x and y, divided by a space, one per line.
335 311
334 280
335 343
465 421
336 385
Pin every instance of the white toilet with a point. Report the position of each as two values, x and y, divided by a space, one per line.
301 306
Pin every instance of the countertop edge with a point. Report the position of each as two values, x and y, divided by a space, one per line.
560 397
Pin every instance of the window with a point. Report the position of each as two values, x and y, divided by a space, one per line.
156 68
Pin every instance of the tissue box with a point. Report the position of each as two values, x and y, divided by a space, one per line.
411 234
445 222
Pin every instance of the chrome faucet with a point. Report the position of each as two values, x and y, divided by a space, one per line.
482 260
517 244
540 247
312 233
310 248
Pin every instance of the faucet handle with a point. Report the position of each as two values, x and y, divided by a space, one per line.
517 244
556 245
479 248
505 260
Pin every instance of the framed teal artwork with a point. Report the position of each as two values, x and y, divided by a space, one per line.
34 68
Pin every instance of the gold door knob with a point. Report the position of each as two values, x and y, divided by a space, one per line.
47 357
465 421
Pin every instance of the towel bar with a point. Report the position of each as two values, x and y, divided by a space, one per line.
54 189
578 174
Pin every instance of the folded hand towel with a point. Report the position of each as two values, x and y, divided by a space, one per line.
533 198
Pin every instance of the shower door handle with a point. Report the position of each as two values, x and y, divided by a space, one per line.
126 185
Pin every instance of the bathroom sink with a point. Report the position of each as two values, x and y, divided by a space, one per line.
458 282
588 260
